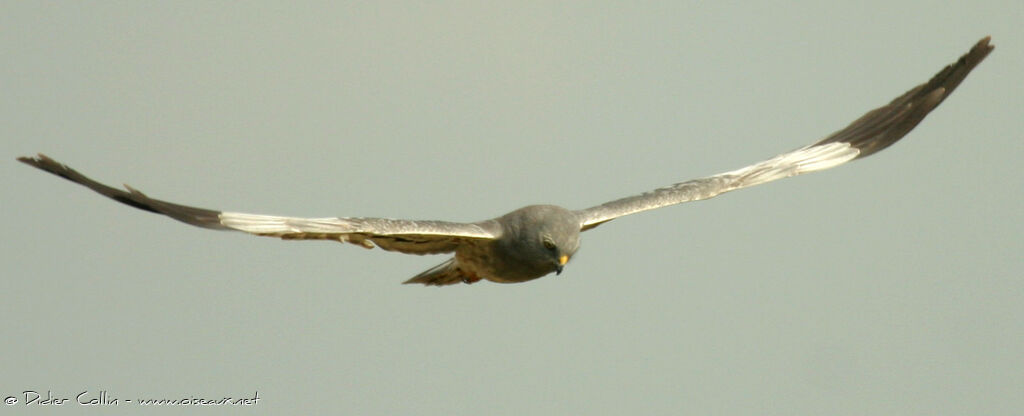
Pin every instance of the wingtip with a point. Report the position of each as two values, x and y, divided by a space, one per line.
983 47
38 159
44 162
31 160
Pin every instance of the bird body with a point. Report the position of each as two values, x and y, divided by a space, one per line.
535 240
528 243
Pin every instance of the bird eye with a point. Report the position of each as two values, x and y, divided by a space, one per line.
548 244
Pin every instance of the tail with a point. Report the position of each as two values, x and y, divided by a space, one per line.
447 273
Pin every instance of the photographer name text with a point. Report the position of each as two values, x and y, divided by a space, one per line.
104 398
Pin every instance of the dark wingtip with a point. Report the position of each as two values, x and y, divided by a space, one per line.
883 126
984 42
199 217
46 163
978 52
34 160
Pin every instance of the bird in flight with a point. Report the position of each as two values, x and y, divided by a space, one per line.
536 240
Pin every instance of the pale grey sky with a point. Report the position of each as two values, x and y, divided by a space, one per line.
892 285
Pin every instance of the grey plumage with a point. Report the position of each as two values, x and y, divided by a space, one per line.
534 241
870 133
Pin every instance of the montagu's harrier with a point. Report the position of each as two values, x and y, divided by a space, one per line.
534 241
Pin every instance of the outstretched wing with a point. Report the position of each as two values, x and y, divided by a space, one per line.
413 237
874 131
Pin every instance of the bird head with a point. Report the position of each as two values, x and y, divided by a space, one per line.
552 234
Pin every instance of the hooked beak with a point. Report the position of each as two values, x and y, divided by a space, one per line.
561 262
